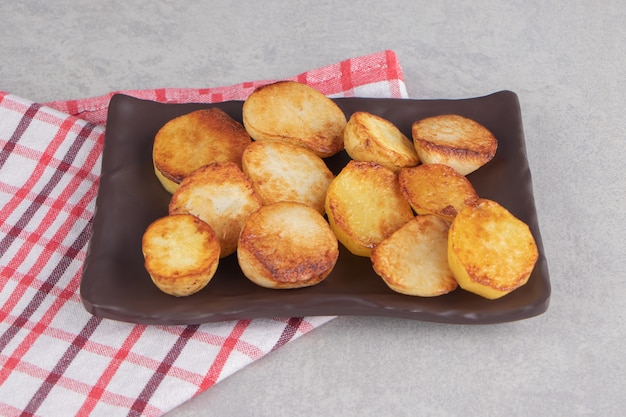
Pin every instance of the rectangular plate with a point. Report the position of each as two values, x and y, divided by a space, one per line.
115 284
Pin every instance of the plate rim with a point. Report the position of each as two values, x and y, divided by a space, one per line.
367 307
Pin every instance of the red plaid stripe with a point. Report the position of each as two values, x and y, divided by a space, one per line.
290 331
223 355
55 358
146 394
98 390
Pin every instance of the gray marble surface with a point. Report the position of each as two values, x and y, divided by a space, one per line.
565 60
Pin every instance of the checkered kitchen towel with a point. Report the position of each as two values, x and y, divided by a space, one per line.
58 360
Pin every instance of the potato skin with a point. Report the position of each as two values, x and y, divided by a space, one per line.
364 206
287 245
295 113
490 252
414 259
436 189
181 254
453 140
221 195
368 137
280 171
193 140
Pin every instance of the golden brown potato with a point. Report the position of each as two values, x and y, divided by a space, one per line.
368 137
193 140
221 195
414 259
364 206
436 189
453 140
287 245
490 251
281 171
296 113
181 254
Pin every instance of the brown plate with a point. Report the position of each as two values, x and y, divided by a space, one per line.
115 284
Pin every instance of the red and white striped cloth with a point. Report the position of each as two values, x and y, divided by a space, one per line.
58 360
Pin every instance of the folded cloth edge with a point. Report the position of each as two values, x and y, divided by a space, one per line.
366 68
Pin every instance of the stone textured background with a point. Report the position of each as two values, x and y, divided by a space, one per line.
564 59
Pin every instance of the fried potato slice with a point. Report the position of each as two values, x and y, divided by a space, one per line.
193 140
287 245
453 140
296 113
221 195
281 171
490 251
414 259
181 254
368 137
364 206
436 189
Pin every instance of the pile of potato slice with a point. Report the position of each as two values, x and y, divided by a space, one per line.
265 189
